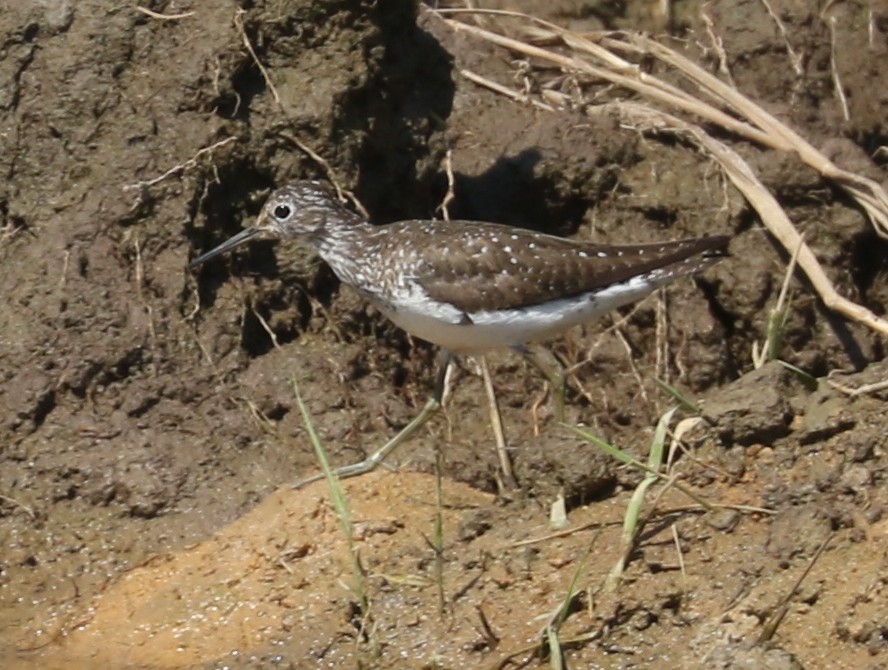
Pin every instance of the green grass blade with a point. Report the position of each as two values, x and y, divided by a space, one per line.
623 457
686 404
337 496
807 380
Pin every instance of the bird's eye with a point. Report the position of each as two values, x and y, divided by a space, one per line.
282 212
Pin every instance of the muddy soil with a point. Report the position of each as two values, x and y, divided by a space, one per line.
148 425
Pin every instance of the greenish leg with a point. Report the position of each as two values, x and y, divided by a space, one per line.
552 370
373 460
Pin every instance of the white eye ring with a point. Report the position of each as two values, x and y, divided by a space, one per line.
282 212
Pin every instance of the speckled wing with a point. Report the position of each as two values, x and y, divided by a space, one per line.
481 266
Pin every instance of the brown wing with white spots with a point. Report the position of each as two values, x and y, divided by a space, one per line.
478 266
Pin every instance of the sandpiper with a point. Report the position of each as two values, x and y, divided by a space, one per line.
469 286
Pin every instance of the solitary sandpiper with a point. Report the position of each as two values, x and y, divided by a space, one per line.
469 286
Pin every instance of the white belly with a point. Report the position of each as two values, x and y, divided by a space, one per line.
442 325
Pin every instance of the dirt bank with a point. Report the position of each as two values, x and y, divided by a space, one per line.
148 420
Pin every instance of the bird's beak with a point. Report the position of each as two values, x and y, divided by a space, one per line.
238 239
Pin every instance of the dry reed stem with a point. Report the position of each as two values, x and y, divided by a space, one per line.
868 193
621 72
767 207
759 126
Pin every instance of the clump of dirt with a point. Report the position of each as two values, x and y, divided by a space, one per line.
147 416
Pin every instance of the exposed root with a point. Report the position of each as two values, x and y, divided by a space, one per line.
163 17
181 167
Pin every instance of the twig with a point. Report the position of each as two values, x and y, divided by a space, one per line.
870 27
239 23
875 387
450 196
631 358
677 542
794 58
834 68
663 9
718 45
515 95
20 505
487 630
654 513
267 328
191 162
342 193
771 625
163 17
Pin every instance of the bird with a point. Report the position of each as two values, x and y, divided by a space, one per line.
469 286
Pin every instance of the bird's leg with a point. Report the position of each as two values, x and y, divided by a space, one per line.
373 460
444 360
553 371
